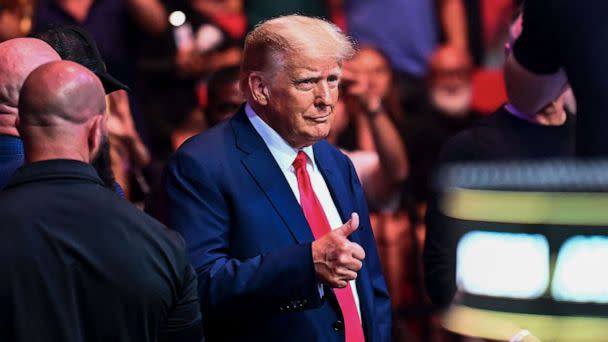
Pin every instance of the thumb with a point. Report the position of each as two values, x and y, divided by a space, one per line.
350 226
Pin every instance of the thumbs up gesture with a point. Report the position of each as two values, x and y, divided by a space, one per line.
336 258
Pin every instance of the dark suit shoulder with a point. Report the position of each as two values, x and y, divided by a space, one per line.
324 146
210 142
204 154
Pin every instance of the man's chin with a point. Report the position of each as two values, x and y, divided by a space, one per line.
320 135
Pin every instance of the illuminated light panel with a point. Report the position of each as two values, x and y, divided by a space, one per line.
580 270
503 264
177 18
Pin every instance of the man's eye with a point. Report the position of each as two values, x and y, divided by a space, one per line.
333 81
307 81
306 84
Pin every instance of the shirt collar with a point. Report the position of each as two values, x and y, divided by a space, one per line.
54 169
280 149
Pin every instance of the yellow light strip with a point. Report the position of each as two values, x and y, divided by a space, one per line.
503 326
567 208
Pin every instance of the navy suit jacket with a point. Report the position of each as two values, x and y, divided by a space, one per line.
12 157
251 244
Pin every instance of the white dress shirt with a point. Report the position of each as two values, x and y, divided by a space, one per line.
285 155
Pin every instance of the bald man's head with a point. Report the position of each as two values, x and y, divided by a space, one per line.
62 103
61 92
18 57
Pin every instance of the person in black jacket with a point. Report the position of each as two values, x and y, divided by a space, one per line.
78 262
506 135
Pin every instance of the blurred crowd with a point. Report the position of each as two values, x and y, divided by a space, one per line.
424 71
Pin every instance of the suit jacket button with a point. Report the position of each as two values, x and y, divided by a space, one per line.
338 325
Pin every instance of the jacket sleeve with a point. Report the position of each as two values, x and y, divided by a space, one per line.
280 280
439 253
439 256
184 318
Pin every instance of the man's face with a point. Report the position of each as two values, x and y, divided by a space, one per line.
301 99
451 89
376 69
555 108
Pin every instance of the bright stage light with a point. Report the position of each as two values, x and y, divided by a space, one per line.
580 270
177 18
503 264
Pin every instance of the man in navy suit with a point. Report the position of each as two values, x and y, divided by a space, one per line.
274 217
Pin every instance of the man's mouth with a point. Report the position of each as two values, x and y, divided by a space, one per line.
319 119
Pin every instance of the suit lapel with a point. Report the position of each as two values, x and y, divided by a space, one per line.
336 183
262 167
343 199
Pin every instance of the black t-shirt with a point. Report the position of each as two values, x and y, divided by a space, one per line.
424 135
503 136
572 35
79 263
500 137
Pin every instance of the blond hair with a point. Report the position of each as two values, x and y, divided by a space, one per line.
272 40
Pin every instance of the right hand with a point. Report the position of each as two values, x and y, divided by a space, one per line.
337 259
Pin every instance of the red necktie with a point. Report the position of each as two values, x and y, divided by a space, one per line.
313 211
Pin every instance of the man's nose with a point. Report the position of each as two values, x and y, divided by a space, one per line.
323 93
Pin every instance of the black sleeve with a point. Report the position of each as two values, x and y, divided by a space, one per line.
439 253
537 49
184 321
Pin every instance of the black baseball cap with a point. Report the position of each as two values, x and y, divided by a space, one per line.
74 44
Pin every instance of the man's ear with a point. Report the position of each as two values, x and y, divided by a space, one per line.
258 88
96 135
